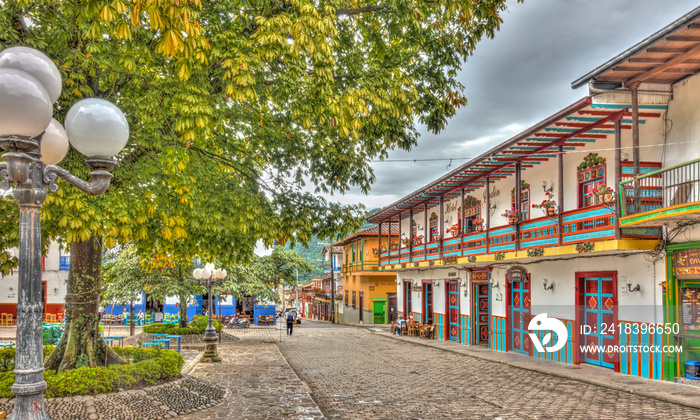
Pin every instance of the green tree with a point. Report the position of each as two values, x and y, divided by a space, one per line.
235 106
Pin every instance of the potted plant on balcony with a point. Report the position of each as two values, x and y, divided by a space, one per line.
433 216
548 204
591 160
375 251
394 245
454 230
604 194
478 225
382 247
418 240
406 242
512 215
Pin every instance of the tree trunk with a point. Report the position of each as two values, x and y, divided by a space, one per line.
183 311
81 344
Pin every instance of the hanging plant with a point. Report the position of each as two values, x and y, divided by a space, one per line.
471 259
591 160
418 240
471 201
454 229
535 252
433 216
383 247
406 241
523 186
585 247
499 256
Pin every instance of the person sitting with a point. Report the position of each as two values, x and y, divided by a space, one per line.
401 323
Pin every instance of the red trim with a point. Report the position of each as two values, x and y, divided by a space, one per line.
447 309
424 309
580 306
509 319
406 309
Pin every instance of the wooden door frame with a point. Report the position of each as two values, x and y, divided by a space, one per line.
509 319
424 308
474 311
447 307
580 306
406 298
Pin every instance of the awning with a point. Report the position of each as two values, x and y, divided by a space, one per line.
666 57
580 124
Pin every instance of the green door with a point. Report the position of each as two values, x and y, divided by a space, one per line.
379 311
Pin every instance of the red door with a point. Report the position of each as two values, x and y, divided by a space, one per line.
453 329
597 303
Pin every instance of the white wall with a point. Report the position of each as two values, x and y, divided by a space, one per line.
684 127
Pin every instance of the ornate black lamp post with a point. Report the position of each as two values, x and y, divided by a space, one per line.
209 277
33 142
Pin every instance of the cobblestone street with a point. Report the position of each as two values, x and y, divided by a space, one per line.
355 374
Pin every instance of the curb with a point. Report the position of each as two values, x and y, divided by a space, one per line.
667 398
191 365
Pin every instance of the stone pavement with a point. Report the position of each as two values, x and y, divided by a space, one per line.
356 374
261 383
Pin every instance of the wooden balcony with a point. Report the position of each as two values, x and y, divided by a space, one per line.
594 223
665 196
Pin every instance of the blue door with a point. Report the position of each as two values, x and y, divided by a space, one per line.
453 310
428 303
600 304
407 299
520 316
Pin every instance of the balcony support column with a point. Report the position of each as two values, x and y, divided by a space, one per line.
379 245
560 191
635 143
410 235
618 172
426 228
441 226
518 204
487 221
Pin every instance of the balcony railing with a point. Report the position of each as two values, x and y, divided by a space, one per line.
580 225
367 265
668 187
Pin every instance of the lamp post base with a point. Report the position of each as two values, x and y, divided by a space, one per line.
210 349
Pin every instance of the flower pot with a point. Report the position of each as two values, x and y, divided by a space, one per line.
454 233
607 198
478 228
550 211
512 220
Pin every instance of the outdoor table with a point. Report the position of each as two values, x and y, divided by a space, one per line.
179 337
157 336
149 344
164 341
109 341
119 339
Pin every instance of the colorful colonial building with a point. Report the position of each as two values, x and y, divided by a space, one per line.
588 216
370 293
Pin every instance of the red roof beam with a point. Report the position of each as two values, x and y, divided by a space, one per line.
581 125
588 136
605 113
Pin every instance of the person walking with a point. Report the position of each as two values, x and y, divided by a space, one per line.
290 322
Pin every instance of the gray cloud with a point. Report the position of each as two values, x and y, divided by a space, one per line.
523 76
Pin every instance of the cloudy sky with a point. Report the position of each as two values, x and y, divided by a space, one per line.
521 77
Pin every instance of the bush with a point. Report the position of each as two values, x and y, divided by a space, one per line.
197 326
148 366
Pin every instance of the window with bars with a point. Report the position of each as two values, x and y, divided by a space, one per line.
353 299
346 298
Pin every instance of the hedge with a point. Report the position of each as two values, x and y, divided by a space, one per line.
197 326
147 366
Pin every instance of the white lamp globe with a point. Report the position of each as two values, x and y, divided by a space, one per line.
35 63
197 273
206 273
97 128
223 273
25 106
54 143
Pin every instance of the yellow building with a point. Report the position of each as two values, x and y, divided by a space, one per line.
369 295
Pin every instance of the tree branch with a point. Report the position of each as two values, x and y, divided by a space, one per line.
358 11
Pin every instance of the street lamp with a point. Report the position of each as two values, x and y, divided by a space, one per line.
34 143
208 277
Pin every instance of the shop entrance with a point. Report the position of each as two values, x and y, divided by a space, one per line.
393 313
597 315
427 302
481 310
519 315
452 304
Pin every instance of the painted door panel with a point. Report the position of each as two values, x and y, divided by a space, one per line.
480 312
427 303
453 311
600 304
520 316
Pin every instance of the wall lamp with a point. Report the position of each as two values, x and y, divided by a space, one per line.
544 187
630 288
549 286
435 283
494 284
